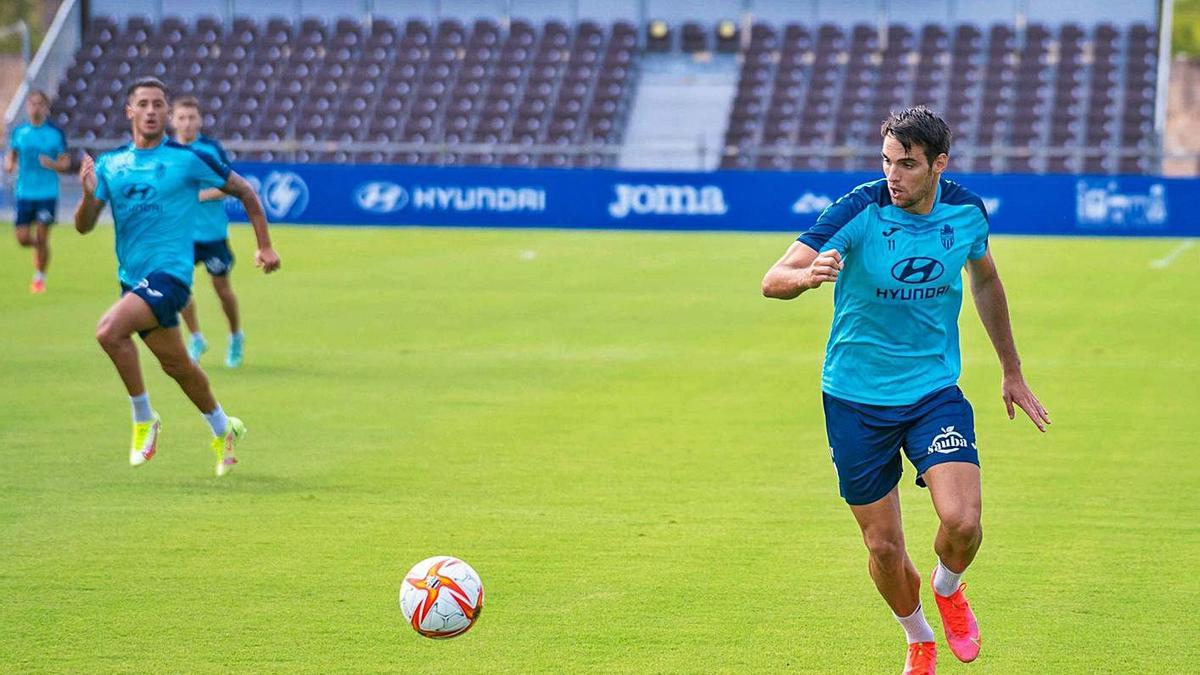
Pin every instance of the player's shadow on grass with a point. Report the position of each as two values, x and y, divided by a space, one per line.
251 483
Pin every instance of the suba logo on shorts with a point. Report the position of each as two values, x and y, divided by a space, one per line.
145 283
947 442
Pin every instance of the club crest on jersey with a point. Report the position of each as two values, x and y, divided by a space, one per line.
947 237
947 442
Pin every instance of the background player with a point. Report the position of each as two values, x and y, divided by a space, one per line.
153 184
211 234
896 248
37 152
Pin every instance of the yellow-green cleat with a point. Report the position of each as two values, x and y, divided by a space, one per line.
145 441
223 446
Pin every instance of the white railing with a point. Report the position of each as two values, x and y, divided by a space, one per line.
52 59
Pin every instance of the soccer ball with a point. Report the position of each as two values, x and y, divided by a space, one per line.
441 597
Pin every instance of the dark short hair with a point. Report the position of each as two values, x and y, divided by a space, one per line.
918 126
147 82
39 93
187 102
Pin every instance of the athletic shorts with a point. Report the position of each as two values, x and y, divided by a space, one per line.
865 440
165 294
30 211
215 255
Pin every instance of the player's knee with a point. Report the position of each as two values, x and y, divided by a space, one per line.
885 550
107 335
963 527
176 369
24 237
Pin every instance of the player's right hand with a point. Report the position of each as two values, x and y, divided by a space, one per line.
87 175
824 268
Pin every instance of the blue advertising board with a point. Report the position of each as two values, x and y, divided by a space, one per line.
389 195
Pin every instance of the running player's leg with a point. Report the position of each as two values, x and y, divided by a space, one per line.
865 446
26 237
897 579
218 260
115 332
229 302
941 445
957 498
196 344
41 260
891 569
167 346
190 319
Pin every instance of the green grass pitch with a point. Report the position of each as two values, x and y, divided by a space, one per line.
615 429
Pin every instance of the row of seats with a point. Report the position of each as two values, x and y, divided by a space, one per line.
813 99
544 86
1056 98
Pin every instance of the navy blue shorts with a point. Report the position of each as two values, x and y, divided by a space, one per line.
166 296
31 211
865 440
215 255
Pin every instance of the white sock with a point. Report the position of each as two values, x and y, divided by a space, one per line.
39 276
197 335
916 628
141 408
217 420
945 582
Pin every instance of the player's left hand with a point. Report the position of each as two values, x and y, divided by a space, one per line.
46 161
267 259
1017 393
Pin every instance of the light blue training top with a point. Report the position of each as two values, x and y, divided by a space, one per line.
30 142
896 303
154 193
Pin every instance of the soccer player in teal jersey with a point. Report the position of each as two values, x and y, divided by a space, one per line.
153 185
895 248
37 152
211 234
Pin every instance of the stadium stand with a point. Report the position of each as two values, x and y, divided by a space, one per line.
1061 96
1043 98
435 86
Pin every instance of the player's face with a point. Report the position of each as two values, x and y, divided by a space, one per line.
147 109
185 120
911 180
38 108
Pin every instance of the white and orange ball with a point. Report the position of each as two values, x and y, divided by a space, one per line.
441 597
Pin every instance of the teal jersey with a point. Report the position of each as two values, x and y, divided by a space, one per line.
154 193
894 337
30 142
213 225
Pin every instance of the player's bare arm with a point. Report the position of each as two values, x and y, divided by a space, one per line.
60 163
265 257
992 305
799 270
212 195
10 161
89 207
